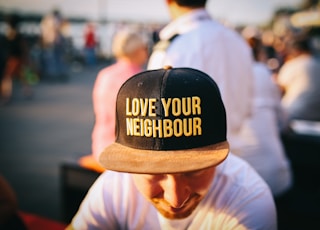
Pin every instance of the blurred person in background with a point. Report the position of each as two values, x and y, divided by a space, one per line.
90 43
14 58
194 39
53 65
264 150
299 81
130 48
274 59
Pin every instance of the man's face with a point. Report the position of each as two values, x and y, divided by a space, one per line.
176 195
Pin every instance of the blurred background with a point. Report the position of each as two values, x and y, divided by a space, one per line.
108 14
50 118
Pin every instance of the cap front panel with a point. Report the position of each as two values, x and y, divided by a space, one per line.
170 110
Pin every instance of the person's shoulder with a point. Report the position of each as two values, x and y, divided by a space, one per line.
108 68
217 33
293 66
111 179
245 193
301 60
112 175
236 162
118 69
214 26
240 172
108 72
209 29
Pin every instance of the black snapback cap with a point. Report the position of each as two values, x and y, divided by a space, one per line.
168 120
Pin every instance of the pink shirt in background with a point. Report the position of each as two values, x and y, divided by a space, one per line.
104 95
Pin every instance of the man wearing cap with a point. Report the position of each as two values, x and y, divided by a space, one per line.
194 39
170 166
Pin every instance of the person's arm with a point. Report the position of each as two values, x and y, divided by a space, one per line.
248 201
104 99
96 209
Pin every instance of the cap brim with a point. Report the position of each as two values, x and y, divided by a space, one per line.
117 157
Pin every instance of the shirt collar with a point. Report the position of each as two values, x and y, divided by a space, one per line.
184 23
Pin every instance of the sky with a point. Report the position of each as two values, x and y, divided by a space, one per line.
233 11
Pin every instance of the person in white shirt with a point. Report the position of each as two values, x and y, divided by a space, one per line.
264 150
299 79
170 166
194 39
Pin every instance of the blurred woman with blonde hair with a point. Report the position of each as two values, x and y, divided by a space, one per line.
131 53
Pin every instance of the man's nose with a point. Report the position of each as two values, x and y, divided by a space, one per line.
176 191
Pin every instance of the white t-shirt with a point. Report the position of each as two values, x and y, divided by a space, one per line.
264 150
237 199
207 45
300 78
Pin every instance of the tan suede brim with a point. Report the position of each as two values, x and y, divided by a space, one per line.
117 157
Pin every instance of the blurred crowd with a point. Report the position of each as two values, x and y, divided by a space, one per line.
50 54
49 48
